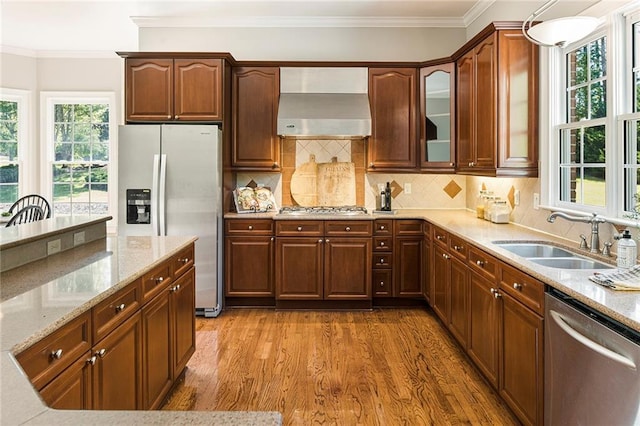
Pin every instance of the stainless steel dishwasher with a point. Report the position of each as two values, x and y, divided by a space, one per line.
591 366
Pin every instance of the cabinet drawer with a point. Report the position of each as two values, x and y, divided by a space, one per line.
183 261
346 228
153 282
440 237
382 260
112 311
523 288
381 282
408 227
383 243
249 227
50 356
481 262
383 227
302 228
458 247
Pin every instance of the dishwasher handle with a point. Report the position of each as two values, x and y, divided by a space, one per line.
562 323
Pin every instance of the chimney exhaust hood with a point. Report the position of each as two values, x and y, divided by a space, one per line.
324 103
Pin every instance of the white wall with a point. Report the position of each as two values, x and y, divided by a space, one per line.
309 44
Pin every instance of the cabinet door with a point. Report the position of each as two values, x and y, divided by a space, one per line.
198 89
299 268
156 350
117 374
426 268
392 94
256 145
249 266
407 266
183 327
485 104
465 112
347 269
149 89
459 300
521 361
437 118
440 283
71 390
483 329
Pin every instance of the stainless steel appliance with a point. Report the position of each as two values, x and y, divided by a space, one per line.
591 366
169 183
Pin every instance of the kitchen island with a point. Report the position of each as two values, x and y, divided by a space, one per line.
45 295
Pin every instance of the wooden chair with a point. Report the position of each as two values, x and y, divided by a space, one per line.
28 214
32 200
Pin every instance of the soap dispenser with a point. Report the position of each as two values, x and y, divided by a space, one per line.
627 251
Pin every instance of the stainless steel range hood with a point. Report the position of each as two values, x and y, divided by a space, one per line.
320 103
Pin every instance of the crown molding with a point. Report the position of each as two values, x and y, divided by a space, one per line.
476 11
71 54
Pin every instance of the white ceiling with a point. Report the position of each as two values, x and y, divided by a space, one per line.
110 25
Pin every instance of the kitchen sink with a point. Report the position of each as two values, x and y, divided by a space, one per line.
551 256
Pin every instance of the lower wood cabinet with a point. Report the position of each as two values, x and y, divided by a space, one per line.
299 268
347 268
71 389
483 327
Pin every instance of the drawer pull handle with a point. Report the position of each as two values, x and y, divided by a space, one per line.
92 360
101 353
299 228
381 243
327 240
347 229
56 354
184 260
496 293
320 241
158 280
381 283
517 286
458 248
120 308
250 228
446 256
480 263
439 237
273 238
382 227
175 288
381 260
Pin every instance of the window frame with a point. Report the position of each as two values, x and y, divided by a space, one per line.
47 102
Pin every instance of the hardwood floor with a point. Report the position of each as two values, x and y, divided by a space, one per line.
384 367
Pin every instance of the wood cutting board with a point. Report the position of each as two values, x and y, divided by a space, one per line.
324 184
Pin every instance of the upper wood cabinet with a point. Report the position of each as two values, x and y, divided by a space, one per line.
172 89
392 95
437 118
255 143
497 105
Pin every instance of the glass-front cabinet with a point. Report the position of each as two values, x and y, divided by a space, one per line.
437 120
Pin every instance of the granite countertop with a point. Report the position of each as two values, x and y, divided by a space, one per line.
39 297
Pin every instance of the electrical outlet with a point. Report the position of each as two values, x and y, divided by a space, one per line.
78 238
407 188
516 197
536 201
53 247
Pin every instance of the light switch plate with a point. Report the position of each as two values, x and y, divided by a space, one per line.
407 188
536 201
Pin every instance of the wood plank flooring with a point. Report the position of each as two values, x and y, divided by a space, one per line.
381 367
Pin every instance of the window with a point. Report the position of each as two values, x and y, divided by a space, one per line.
80 144
631 123
13 138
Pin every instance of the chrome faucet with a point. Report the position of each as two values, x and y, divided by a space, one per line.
594 220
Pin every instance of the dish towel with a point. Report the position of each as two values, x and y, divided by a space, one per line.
619 280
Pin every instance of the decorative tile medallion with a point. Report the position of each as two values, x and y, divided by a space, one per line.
452 189
396 189
512 197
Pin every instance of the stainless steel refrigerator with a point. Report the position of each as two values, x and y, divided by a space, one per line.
170 183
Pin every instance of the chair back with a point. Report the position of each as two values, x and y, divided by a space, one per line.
32 200
26 215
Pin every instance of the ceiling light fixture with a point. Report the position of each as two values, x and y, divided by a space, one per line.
557 32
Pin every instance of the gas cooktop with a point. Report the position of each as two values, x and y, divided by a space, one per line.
324 210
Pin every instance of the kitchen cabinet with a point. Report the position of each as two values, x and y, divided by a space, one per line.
437 118
128 350
249 259
255 142
382 274
450 286
408 249
392 145
426 262
324 260
173 89
497 104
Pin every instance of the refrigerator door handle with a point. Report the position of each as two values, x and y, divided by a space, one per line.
154 195
162 205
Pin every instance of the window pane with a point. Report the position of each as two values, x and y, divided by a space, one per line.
594 144
577 105
8 111
82 132
570 146
100 152
569 178
81 152
63 113
82 113
577 66
62 151
62 133
100 133
597 59
637 92
100 113
9 131
8 151
598 100
593 187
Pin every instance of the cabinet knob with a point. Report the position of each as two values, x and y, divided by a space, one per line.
250 228
169 117
56 354
458 248
439 237
101 353
175 288
381 243
381 260
184 260
371 165
158 280
275 165
517 286
92 360
382 227
347 229
480 263
273 238
120 308
496 293
381 283
320 240
446 256
177 117
299 228
327 240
